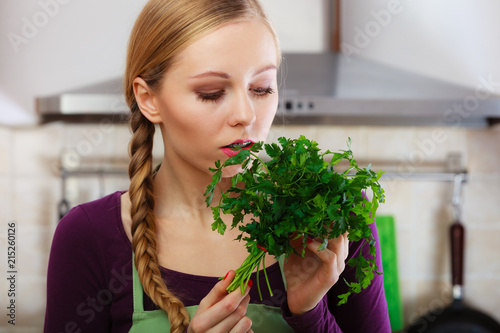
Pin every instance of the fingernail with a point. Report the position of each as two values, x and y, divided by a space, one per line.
226 275
250 283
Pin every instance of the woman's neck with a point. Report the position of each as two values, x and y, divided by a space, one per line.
179 194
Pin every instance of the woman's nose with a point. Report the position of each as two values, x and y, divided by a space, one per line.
242 110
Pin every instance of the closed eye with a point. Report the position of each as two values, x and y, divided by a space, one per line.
211 97
261 92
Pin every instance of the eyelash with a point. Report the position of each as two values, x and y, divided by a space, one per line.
217 96
211 97
261 92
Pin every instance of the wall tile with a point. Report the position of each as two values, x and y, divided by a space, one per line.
36 199
84 189
481 197
437 142
481 252
406 248
18 329
116 184
6 200
335 138
5 150
91 142
483 294
31 301
398 201
432 258
33 250
37 150
4 300
432 201
415 149
122 136
484 151
29 294
391 143
292 131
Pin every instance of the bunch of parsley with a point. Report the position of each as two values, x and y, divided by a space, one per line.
297 192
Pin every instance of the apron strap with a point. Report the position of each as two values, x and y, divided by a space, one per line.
281 261
137 288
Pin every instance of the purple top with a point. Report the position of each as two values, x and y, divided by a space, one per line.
89 281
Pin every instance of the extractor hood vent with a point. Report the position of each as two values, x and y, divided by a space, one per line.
332 89
89 104
324 88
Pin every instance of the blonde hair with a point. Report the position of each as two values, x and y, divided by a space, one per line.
162 30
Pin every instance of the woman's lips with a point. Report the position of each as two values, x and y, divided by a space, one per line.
230 150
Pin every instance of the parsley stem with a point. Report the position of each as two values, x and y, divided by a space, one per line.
258 284
265 274
244 272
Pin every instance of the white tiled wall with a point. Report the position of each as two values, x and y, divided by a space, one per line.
30 191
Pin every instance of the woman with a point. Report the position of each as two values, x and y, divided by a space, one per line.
146 260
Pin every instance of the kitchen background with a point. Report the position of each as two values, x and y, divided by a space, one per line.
51 46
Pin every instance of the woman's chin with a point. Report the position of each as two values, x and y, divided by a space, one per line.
231 170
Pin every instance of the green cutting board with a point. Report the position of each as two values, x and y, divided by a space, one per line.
387 238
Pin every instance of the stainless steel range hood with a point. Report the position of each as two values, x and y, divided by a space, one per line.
332 89
323 89
88 104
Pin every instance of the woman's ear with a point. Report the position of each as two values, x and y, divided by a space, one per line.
146 102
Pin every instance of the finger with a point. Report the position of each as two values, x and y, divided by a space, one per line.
219 311
346 248
340 246
326 255
297 241
237 321
335 252
337 245
242 326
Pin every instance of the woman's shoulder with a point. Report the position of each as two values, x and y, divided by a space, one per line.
92 222
89 259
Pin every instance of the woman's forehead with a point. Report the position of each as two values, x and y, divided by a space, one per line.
232 48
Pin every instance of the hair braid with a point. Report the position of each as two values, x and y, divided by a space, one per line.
144 241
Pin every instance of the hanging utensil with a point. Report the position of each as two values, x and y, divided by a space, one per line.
457 317
63 207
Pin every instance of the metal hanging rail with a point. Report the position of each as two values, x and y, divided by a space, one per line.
426 176
65 173
454 173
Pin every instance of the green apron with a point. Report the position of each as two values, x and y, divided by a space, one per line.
264 318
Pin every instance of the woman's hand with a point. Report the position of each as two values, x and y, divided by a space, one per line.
222 312
308 279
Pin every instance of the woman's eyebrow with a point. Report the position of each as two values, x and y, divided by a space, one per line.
227 76
211 73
